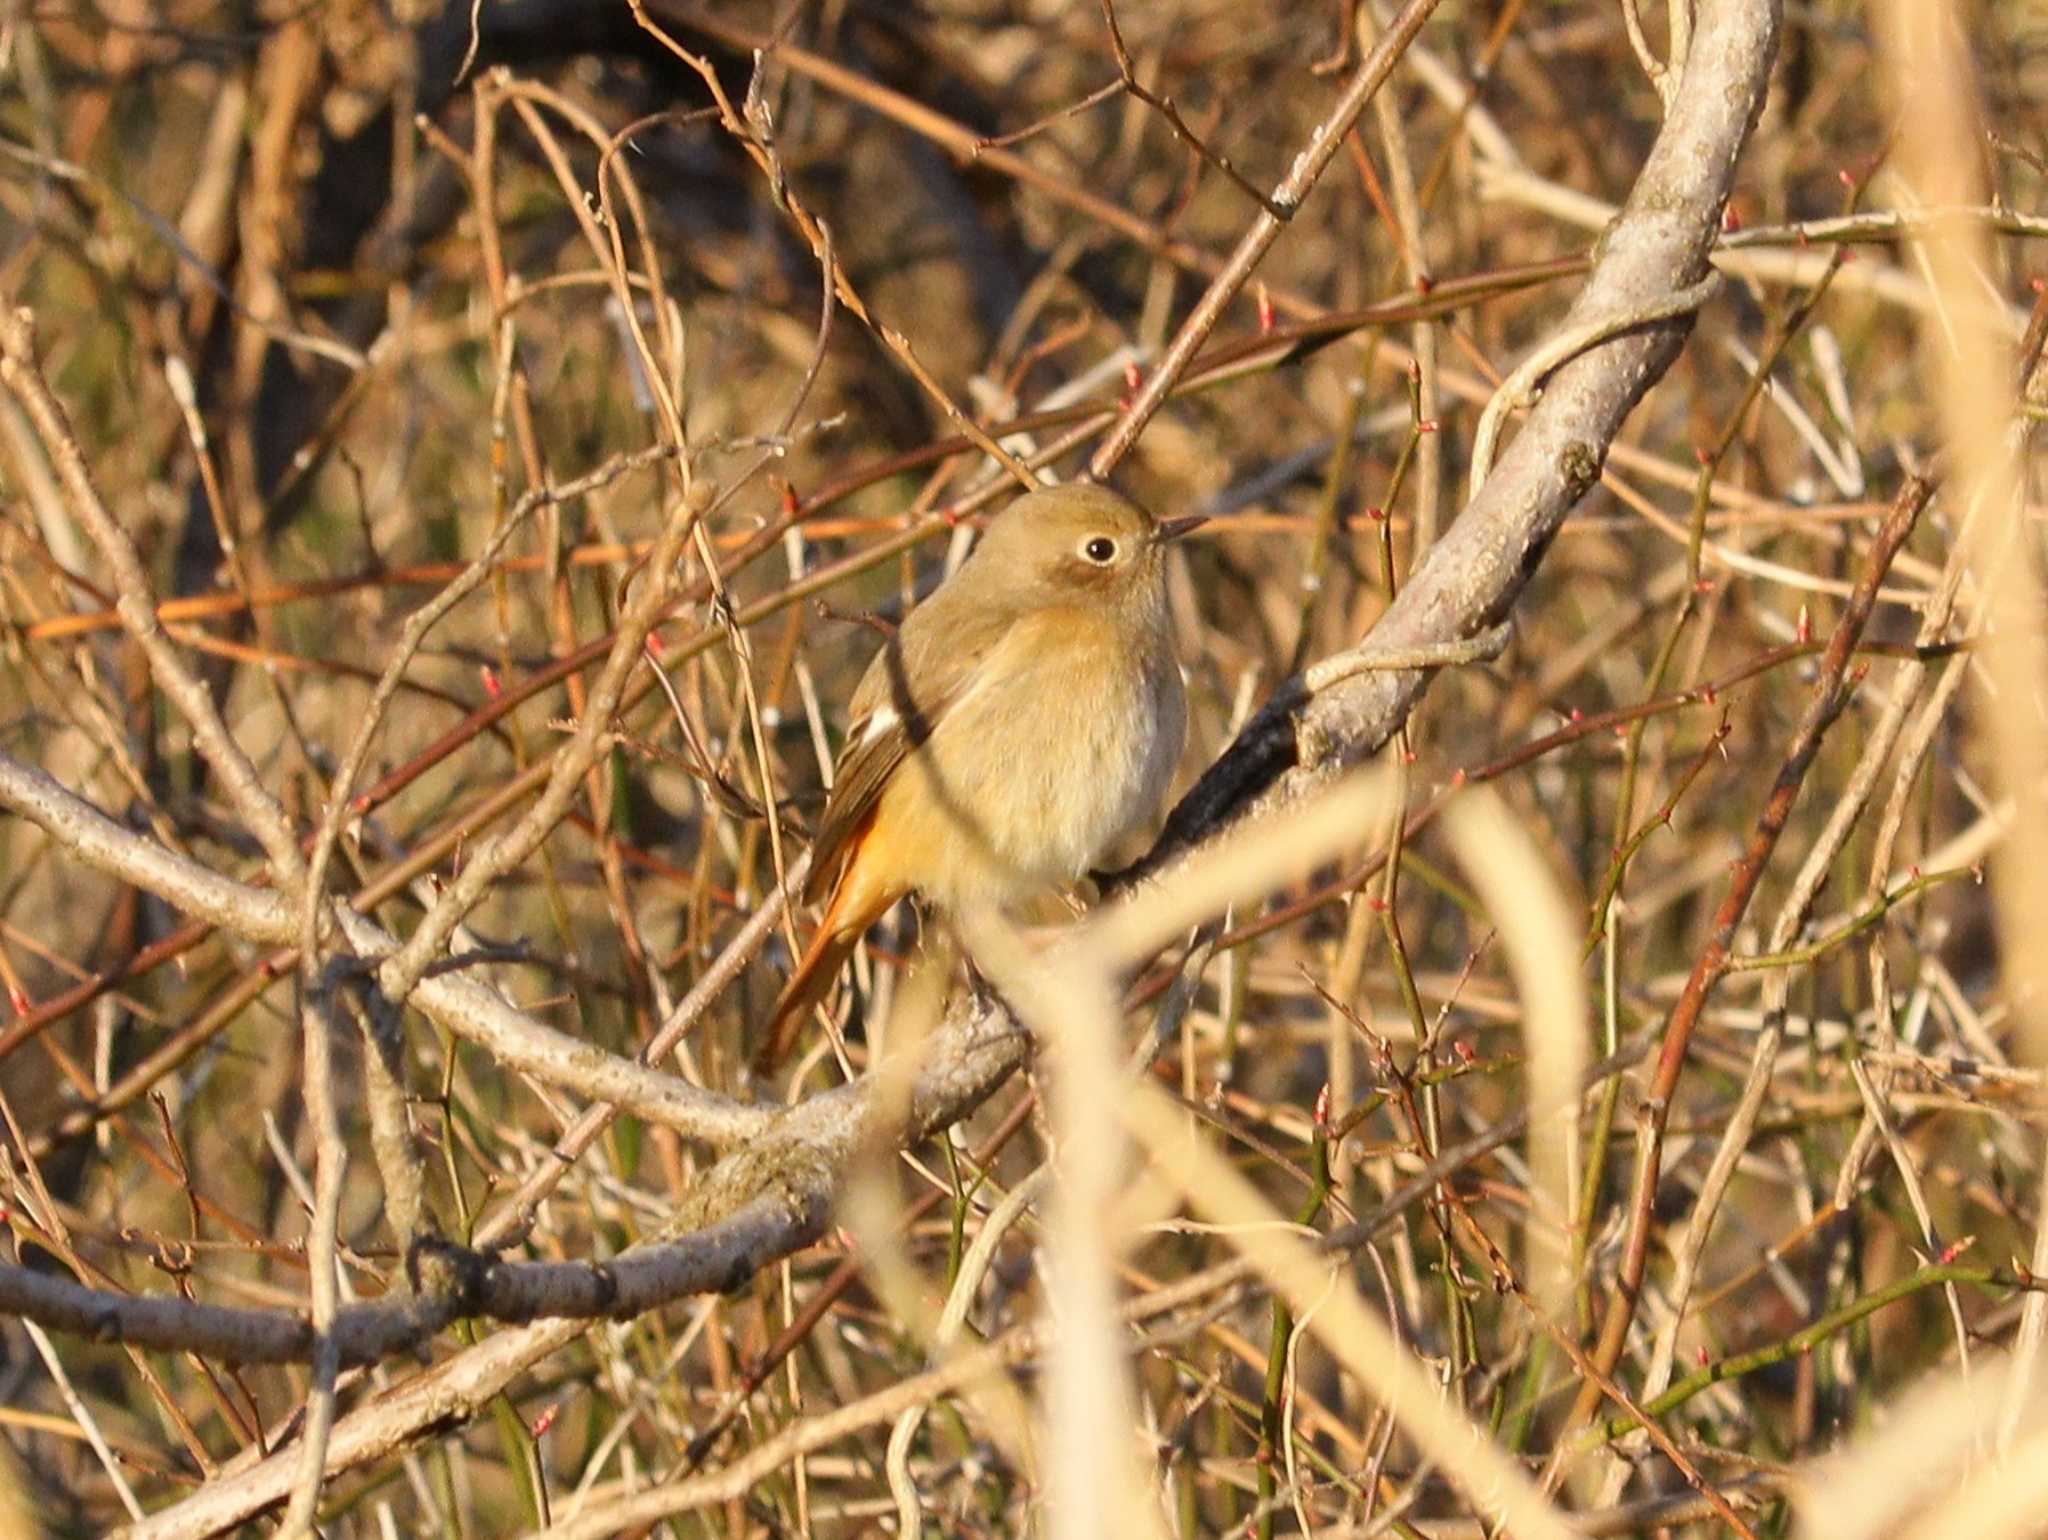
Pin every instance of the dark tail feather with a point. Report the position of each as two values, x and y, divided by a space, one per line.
819 966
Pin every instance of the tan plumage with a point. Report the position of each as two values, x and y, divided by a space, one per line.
1026 715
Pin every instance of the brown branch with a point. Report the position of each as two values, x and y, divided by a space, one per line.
1252 246
455 1282
22 375
1468 586
1830 694
1163 105
759 1203
467 1008
1471 578
766 1200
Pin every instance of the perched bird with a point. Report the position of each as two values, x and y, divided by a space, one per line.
1024 717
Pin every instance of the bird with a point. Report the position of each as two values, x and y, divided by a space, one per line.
1025 716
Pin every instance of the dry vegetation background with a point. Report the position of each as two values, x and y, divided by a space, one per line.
1731 845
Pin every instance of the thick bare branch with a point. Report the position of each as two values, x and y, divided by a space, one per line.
1654 251
759 1203
467 1008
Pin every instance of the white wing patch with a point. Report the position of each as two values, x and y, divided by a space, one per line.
882 720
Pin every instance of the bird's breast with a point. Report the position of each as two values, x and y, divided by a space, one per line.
1064 742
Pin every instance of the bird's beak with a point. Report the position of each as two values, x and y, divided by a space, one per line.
1173 529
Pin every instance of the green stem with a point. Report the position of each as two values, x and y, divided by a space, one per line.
1272 1424
1808 1338
1814 951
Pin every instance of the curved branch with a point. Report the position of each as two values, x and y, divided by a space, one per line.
457 1283
758 1204
772 1195
470 1010
1654 251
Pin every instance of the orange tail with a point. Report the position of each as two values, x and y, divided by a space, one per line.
857 901
815 971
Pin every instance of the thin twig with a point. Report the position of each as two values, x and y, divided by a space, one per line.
1829 695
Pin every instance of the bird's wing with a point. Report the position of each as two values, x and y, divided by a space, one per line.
921 674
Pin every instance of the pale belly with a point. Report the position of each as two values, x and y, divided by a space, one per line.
1024 786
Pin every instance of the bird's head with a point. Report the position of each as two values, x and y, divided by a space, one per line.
1080 544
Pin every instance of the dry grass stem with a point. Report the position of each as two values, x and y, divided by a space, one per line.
1570 1056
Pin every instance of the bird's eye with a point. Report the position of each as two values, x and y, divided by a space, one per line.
1101 550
